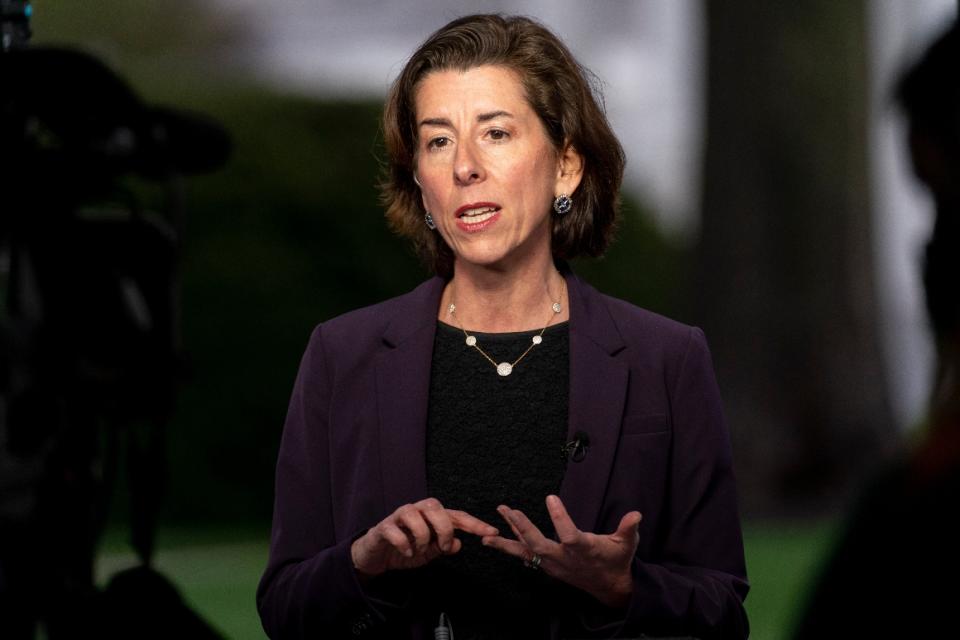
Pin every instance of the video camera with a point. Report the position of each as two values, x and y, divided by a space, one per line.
14 24
89 311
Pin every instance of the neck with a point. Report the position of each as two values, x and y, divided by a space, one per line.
491 299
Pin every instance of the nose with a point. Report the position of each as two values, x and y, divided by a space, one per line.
467 167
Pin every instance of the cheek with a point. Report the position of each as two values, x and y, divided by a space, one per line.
431 198
428 184
537 170
535 182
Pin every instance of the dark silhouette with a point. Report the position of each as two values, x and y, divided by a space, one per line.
88 329
893 572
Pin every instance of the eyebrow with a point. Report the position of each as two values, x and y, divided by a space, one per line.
486 117
483 117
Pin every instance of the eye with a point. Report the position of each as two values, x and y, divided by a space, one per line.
438 142
498 134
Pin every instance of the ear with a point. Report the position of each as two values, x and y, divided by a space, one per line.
423 196
569 170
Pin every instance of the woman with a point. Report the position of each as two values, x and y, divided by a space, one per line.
484 446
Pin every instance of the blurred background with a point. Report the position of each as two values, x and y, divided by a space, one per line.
769 199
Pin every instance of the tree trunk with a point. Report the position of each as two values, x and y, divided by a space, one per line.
786 276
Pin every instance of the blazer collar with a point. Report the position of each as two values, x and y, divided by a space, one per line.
415 312
403 390
589 315
598 384
598 387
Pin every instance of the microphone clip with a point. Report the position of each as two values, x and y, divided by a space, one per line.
577 448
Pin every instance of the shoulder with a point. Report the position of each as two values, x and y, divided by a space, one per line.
357 333
651 338
639 328
657 350
636 322
375 318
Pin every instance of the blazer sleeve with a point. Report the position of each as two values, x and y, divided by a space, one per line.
310 588
697 583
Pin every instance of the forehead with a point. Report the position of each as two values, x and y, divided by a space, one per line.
478 89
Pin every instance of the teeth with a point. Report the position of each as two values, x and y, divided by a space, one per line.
475 218
479 215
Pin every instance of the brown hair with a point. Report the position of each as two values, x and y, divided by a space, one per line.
561 94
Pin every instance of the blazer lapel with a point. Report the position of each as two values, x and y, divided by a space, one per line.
598 386
403 389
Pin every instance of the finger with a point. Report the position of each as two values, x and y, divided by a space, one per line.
411 519
439 521
526 531
455 546
432 551
519 550
471 524
509 547
567 532
442 525
396 538
429 504
629 526
504 512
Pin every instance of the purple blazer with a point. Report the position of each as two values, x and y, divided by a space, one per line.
353 450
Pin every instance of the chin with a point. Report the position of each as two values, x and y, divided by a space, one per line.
481 254
492 254
475 261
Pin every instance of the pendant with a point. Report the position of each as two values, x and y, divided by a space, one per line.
504 369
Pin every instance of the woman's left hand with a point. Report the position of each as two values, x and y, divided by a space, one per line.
598 564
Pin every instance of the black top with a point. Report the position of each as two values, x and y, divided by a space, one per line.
495 440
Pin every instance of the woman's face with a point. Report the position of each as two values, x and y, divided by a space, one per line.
487 170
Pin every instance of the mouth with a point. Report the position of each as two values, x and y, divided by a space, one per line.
477 212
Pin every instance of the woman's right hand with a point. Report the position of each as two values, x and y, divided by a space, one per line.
412 536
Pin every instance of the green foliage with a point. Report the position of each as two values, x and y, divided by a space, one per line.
288 234
132 29
642 266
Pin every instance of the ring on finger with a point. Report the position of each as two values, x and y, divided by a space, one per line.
533 562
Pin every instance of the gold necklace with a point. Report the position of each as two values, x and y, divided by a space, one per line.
506 368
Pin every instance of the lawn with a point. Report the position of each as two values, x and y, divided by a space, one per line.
782 560
217 572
